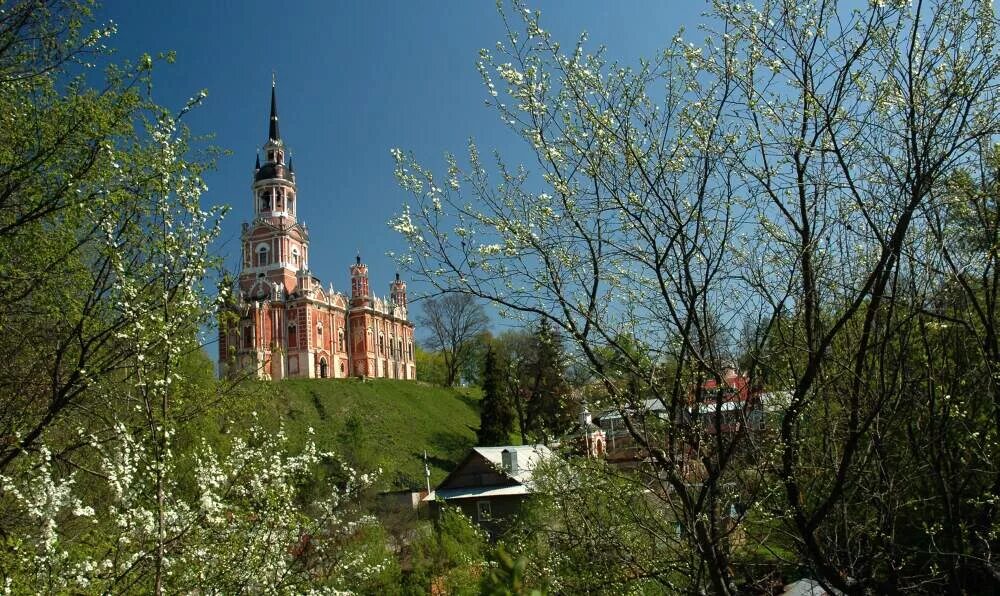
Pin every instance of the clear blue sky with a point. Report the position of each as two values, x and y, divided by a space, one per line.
354 80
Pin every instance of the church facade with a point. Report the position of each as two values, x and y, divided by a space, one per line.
281 322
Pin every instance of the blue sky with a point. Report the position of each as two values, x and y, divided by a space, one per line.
354 80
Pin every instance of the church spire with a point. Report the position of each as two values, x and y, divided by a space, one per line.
272 132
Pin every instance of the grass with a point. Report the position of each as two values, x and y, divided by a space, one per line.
377 423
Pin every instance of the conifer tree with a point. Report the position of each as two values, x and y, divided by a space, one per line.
549 390
496 418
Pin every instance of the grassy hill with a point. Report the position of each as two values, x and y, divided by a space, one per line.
377 423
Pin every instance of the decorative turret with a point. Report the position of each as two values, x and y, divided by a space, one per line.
303 281
397 292
359 283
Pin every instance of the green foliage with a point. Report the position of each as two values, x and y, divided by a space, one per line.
496 418
590 528
448 556
92 178
430 366
506 577
543 385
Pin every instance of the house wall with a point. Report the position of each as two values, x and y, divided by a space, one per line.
503 509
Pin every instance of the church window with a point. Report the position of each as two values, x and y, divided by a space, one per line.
281 157
341 339
293 338
319 328
263 255
279 199
248 336
270 156
295 256
291 204
265 199
381 344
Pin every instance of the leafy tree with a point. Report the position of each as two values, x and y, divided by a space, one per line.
454 321
787 176
104 259
430 366
89 174
495 412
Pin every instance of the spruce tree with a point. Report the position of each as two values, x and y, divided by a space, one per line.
549 391
496 418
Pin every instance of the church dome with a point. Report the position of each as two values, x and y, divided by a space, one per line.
270 171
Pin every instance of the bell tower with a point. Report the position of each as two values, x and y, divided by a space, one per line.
275 244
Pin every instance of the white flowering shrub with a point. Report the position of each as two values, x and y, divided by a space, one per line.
239 526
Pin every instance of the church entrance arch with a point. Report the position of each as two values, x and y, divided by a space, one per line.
322 368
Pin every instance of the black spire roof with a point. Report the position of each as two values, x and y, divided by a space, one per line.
272 132
257 163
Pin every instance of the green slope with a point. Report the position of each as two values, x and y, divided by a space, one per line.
377 423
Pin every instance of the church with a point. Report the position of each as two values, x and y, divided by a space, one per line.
281 322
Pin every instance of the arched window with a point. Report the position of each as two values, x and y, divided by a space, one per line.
319 328
270 156
279 199
322 368
265 199
381 344
281 157
293 337
295 256
291 204
341 341
263 255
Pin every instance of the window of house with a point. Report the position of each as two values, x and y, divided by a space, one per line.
484 510
292 336
341 340
295 256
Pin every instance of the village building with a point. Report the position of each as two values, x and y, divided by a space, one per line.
282 322
491 484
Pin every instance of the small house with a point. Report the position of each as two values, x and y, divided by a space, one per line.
490 484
